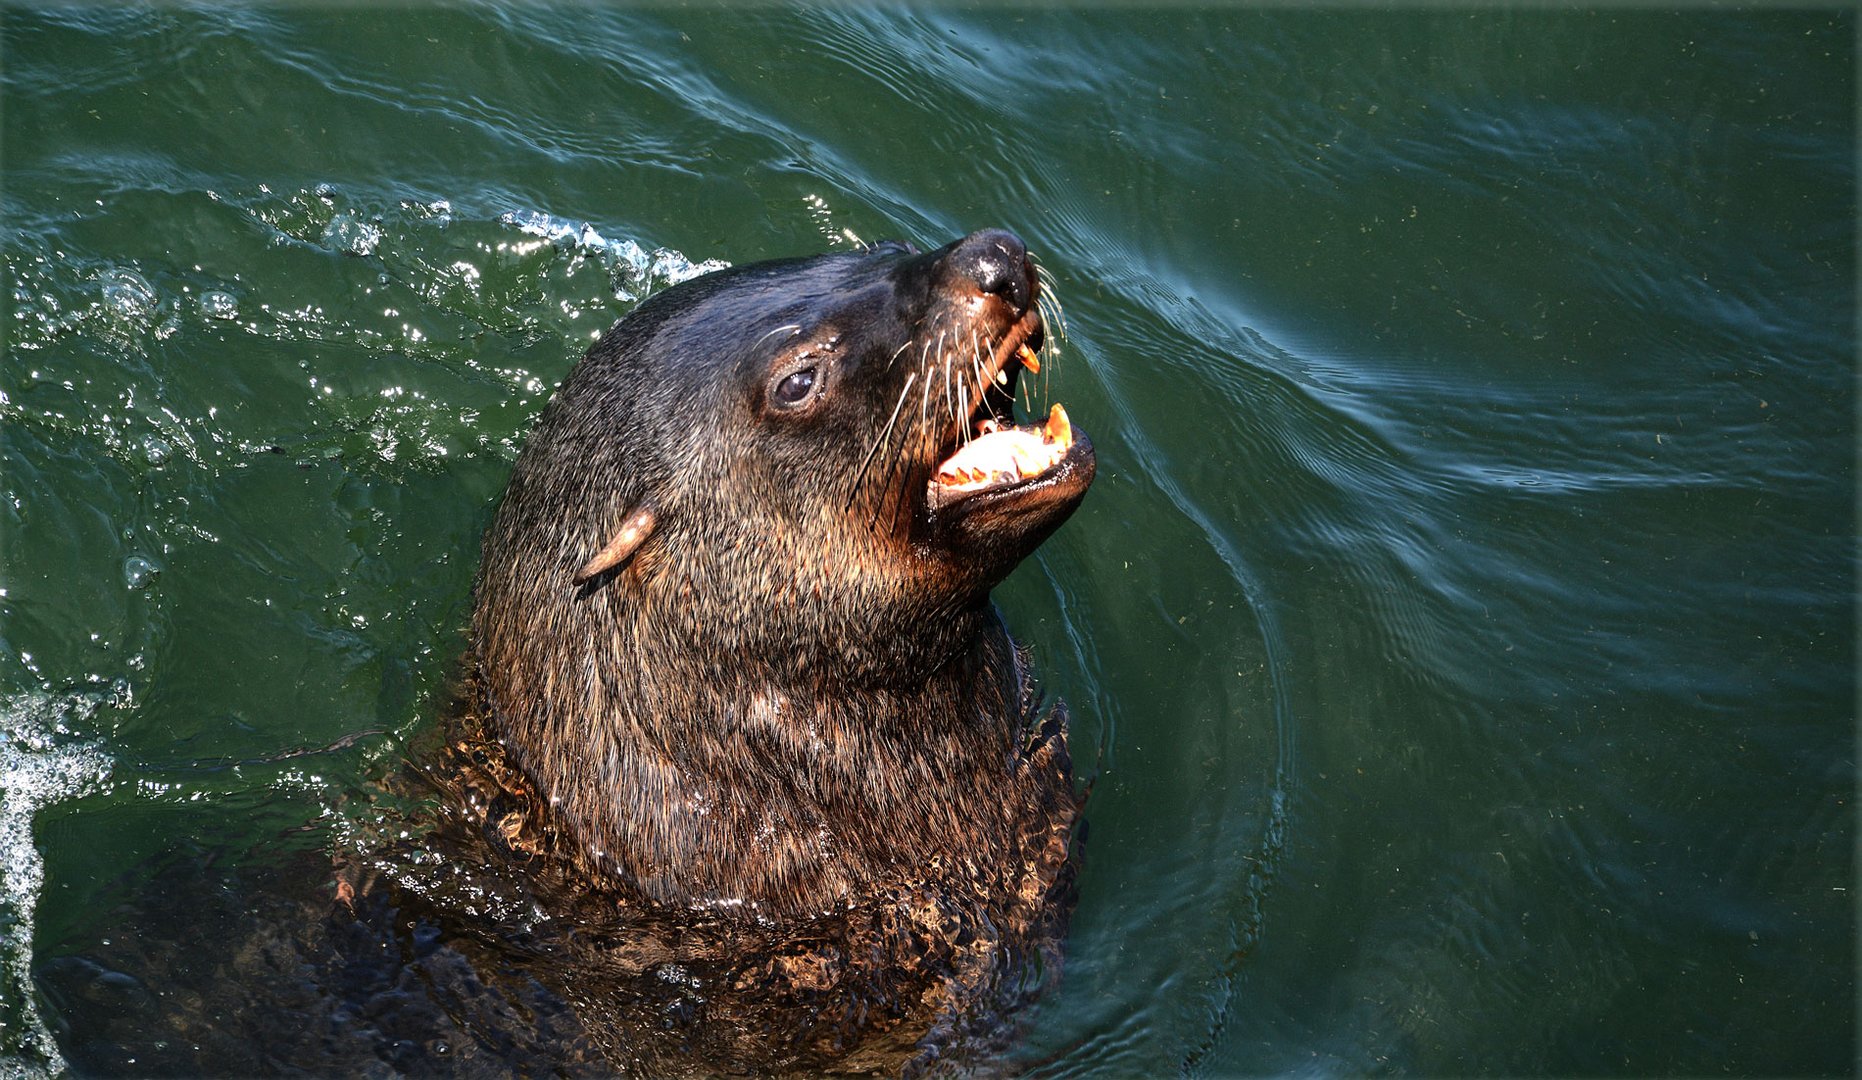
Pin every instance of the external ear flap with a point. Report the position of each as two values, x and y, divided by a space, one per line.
626 540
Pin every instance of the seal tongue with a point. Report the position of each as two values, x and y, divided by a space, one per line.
1005 455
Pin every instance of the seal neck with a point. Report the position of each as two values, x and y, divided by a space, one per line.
776 799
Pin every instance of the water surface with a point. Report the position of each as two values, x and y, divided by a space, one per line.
1461 627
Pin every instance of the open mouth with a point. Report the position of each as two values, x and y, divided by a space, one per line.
990 452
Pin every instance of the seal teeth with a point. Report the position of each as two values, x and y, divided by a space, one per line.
1029 359
1004 455
1059 429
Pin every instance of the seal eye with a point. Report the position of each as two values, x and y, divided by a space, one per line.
795 387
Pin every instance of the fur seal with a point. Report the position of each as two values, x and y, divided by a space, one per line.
732 618
733 638
747 775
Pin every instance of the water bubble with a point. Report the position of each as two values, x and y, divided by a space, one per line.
139 571
127 293
219 305
348 233
156 449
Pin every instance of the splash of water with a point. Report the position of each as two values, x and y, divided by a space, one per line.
646 270
40 765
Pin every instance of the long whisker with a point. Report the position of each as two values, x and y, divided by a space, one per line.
794 327
945 357
883 436
1048 293
1056 322
956 415
1051 313
914 440
910 449
898 494
981 371
924 388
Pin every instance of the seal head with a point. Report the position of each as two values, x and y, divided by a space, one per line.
732 615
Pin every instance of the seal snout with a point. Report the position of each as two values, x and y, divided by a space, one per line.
997 261
1007 478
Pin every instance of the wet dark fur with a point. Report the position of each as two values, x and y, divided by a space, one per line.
773 793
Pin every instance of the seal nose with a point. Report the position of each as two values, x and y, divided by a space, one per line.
997 261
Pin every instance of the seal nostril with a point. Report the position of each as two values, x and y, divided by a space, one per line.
997 261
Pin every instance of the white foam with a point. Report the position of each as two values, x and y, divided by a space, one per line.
41 764
647 269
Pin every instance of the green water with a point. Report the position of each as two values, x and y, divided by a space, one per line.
1461 627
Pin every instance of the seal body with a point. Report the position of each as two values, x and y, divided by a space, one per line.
747 775
733 647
